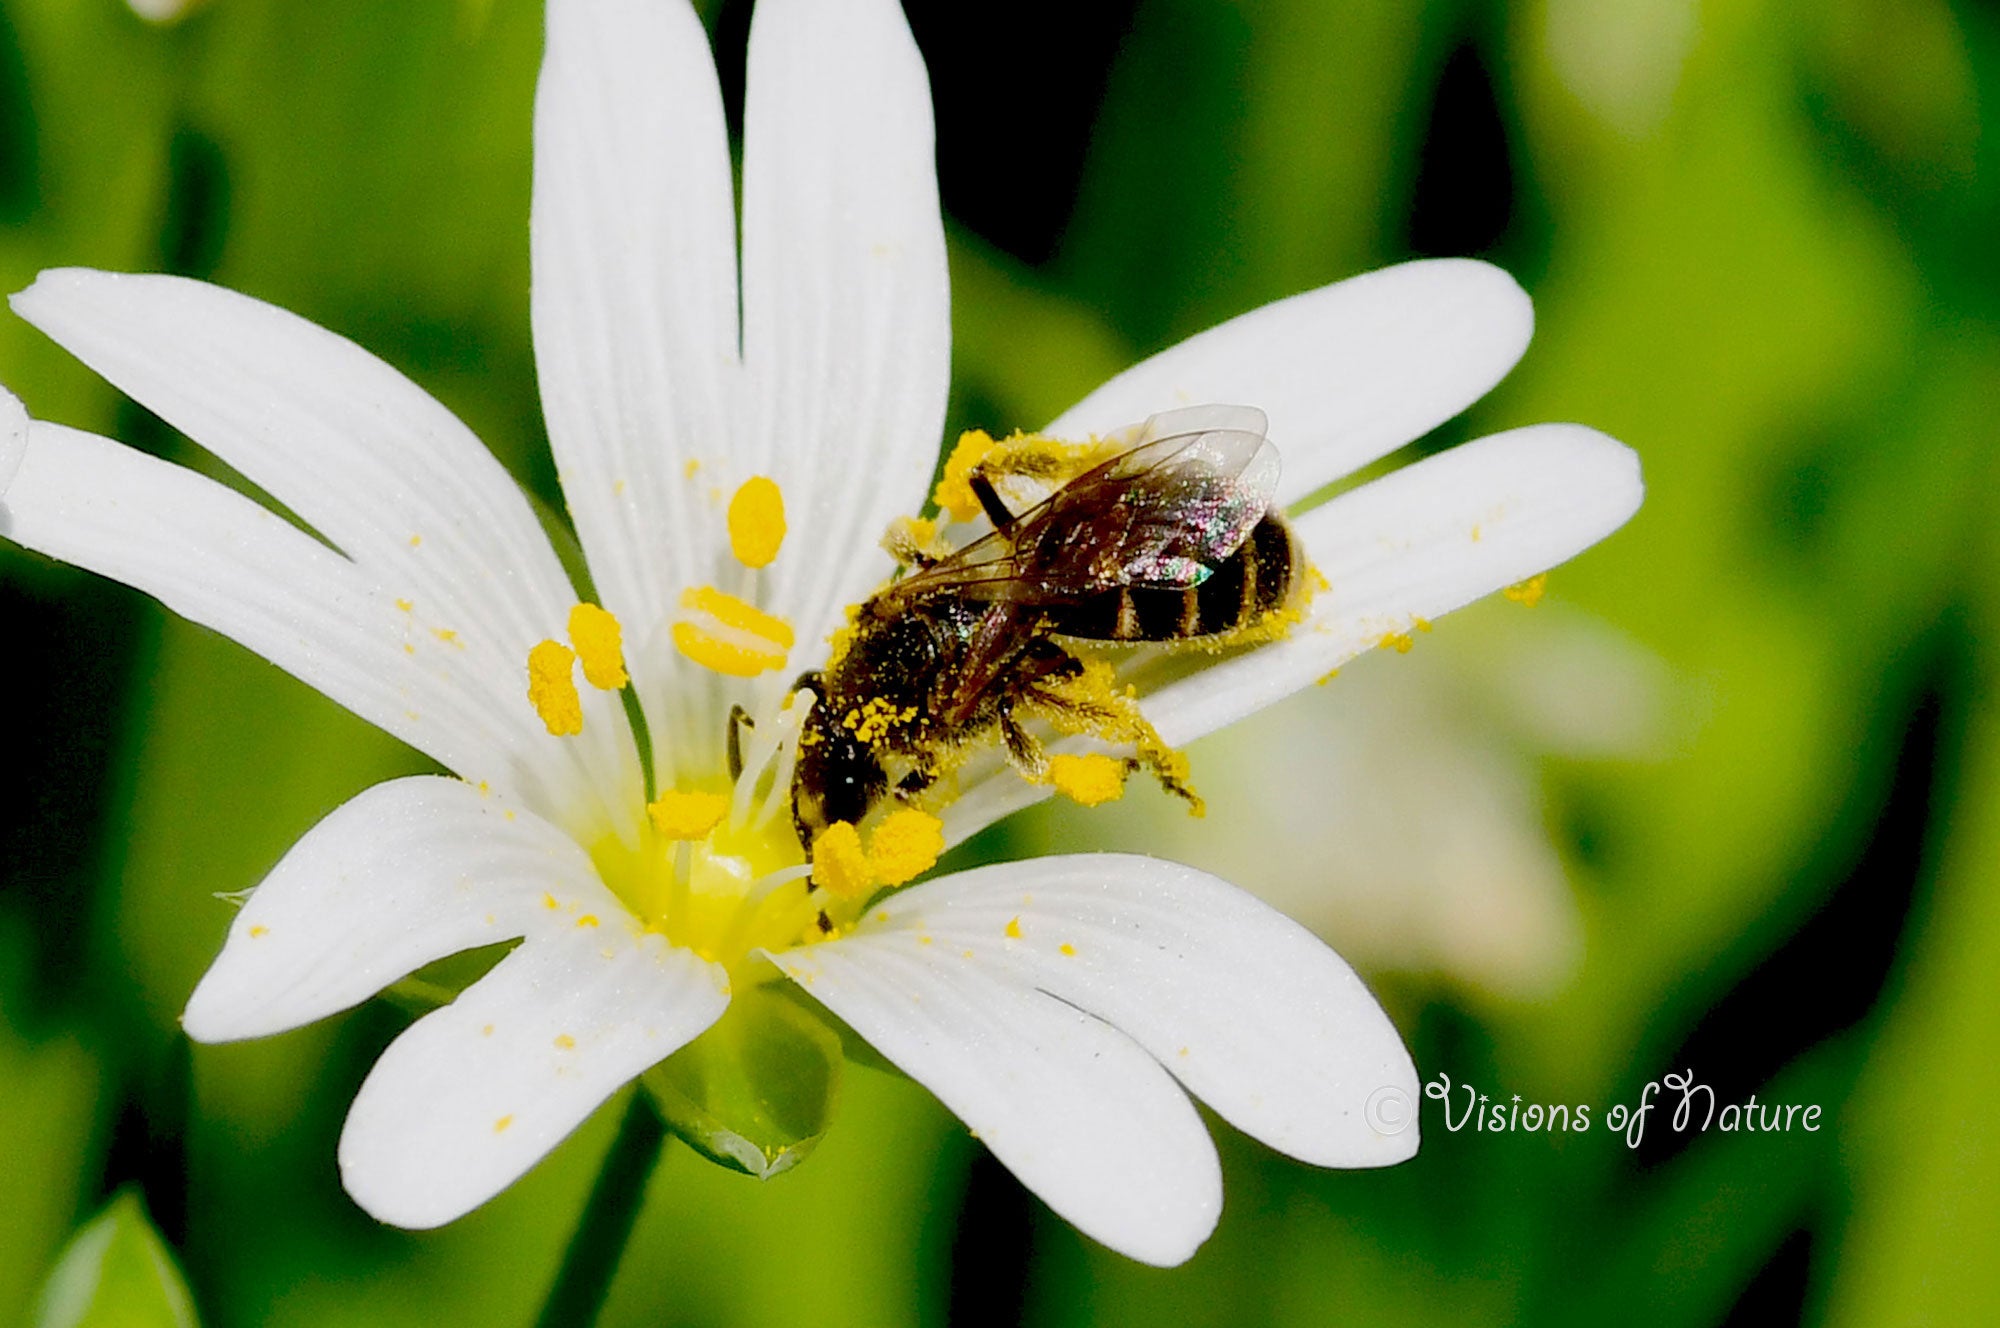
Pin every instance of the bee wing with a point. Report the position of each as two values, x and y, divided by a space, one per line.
1166 512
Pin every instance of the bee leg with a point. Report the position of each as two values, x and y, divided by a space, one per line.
914 783
989 499
1023 751
739 719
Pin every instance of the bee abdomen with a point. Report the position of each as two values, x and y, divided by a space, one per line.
1259 577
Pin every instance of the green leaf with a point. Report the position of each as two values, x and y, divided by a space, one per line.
755 1092
116 1273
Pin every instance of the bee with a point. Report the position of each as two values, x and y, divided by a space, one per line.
1174 539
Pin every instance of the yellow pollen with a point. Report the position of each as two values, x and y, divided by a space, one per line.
260 931
587 920
500 1126
416 540
405 605
954 489
549 901
600 644
565 1042
551 690
1528 593
1067 949
873 720
756 522
687 814
757 641
905 845
1090 780
1014 929
1421 624
691 468
409 649
446 635
1400 642
486 1031
838 862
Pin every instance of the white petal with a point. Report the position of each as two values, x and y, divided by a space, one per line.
846 305
1252 1012
1416 544
1348 373
474 1094
13 437
405 873
220 560
634 238
380 470
1071 1106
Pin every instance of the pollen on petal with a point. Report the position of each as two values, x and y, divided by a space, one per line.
905 845
731 635
1014 929
1528 593
954 488
600 644
1089 779
551 689
757 521
687 814
838 862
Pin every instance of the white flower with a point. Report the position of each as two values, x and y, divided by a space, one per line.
1053 1004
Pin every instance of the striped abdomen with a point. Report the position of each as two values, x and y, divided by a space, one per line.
1260 576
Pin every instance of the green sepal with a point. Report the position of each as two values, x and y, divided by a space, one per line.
756 1091
116 1273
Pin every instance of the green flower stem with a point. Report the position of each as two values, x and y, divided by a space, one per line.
595 1250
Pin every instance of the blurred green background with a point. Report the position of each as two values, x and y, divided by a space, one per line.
1728 801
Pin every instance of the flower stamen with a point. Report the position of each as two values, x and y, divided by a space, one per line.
730 635
905 845
1090 779
687 814
599 643
757 522
551 689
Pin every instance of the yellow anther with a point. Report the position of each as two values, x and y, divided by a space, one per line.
551 690
687 815
954 489
756 522
714 653
1090 779
838 862
600 644
905 845
731 635
914 540
1528 593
